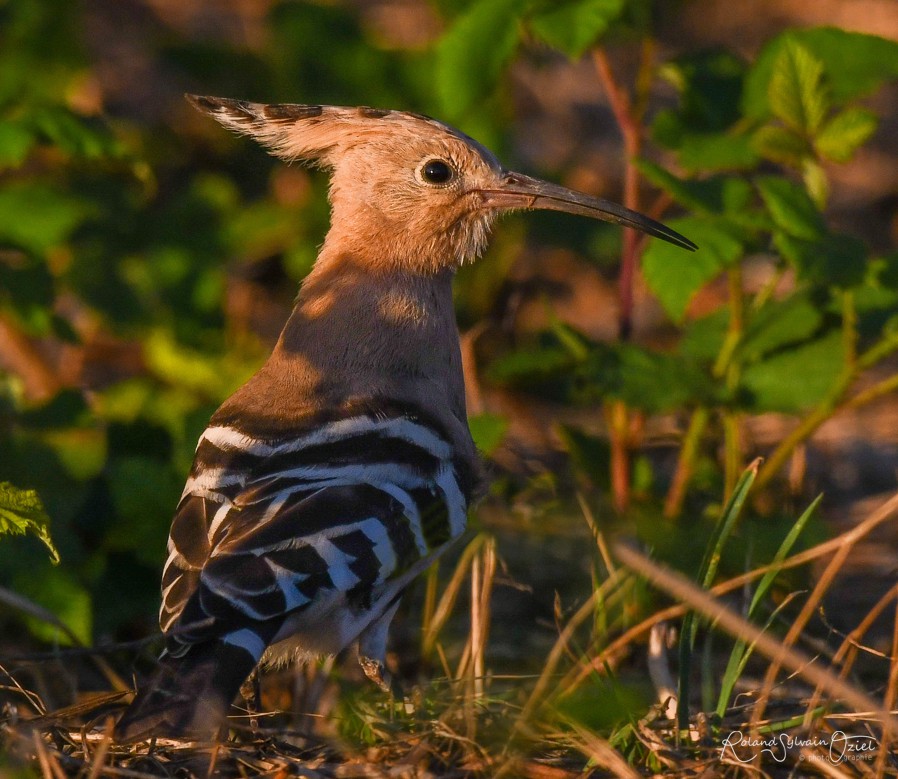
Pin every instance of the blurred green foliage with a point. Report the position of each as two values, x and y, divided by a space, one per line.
131 230
121 228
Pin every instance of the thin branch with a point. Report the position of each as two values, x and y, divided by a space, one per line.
628 122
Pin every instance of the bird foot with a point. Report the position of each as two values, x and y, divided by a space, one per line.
377 673
251 690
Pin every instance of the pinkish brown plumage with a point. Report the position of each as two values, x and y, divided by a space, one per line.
336 474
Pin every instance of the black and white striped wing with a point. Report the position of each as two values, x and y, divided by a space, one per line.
266 529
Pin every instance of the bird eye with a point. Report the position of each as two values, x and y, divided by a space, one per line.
436 172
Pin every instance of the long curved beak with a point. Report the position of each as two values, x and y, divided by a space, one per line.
517 191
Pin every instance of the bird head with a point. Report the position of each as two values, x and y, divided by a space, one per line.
407 191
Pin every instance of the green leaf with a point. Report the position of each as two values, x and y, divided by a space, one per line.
205 374
791 208
717 151
815 181
673 277
65 409
488 431
525 366
856 65
27 287
659 382
703 337
642 378
794 380
778 324
74 134
589 454
709 196
573 26
781 145
700 151
841 136
37 217
15 144
796 92
144 491
471 54
836 259
21 511
58 592
709 83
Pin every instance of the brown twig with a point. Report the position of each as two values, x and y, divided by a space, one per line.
628 122
628 118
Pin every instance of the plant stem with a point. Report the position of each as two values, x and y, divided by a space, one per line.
872 393
723 366
836 399
732 450
732 420
628 120
618 426
673 503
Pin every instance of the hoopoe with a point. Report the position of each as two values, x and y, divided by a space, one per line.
345 466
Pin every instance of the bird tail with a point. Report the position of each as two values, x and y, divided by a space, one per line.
188 695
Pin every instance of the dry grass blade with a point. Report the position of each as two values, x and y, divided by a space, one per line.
784 656
87 705
558 650
822 765
889 699
42 756
443 609
883 513
602 754
850 646
597 534
26 606
33 698
99 757
849 540
482 575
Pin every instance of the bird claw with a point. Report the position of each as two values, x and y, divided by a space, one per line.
374 669
251 690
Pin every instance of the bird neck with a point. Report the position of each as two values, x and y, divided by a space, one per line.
353 314
359 338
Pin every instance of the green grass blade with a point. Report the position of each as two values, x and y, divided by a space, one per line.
781 554
708 570
739 656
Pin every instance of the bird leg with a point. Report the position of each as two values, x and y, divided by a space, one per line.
251 690
372 651
374 669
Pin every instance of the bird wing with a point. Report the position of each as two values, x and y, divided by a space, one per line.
265 528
